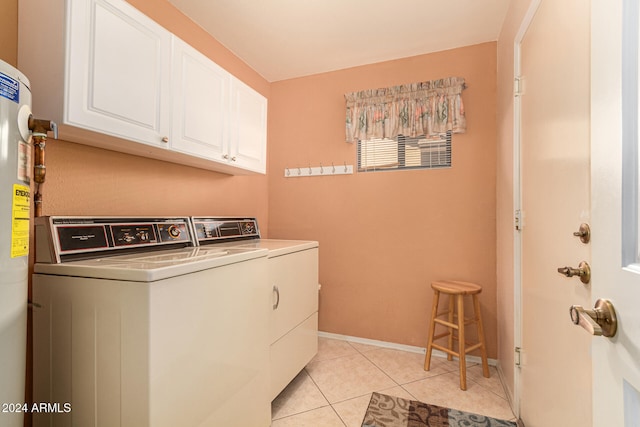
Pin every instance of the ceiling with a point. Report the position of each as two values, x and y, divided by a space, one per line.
284 39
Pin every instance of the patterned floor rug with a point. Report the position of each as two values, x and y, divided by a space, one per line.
388 411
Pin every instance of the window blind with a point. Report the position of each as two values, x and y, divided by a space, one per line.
404 153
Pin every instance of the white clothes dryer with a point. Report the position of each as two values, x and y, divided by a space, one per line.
293 279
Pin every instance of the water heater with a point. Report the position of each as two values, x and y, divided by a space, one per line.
15 211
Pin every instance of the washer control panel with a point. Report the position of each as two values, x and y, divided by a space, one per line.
73 237
210 230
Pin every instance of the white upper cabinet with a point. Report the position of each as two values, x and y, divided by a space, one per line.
215 115
200 104
113 78
119 65
248 147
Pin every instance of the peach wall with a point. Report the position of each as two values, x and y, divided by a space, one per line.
506 308
385 236
9 32
82 180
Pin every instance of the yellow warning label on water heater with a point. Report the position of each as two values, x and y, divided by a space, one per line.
20 212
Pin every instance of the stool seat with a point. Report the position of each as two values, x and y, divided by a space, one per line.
457 288
456 291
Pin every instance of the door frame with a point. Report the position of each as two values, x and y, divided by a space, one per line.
517 198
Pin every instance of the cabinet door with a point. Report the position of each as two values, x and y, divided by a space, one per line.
200 104
294 280
118 71
248 146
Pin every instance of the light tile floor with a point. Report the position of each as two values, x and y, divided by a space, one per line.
335 387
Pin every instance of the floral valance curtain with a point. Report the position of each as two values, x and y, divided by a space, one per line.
425 108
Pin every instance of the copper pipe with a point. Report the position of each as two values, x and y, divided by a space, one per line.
39 129
39 169
37 201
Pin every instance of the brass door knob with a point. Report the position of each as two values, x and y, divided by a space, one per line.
583 271
601 320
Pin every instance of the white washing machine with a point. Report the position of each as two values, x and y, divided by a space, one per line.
293 280
135 325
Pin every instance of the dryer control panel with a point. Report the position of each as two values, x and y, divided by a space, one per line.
224 229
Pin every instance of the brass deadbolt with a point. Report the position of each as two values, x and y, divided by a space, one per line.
584 233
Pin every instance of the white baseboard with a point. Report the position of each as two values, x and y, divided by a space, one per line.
396 346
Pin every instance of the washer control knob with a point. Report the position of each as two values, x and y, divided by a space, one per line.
174 232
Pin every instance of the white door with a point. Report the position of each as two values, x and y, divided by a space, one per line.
615 191
555 372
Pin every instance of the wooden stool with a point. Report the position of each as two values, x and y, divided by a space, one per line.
456 291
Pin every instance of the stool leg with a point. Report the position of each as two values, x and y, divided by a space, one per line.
432 330
483 348
461 343
452 300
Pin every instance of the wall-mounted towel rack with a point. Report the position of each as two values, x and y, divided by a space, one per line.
322 170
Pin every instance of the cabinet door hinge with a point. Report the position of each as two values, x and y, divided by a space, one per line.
517 219
517 86
517 357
